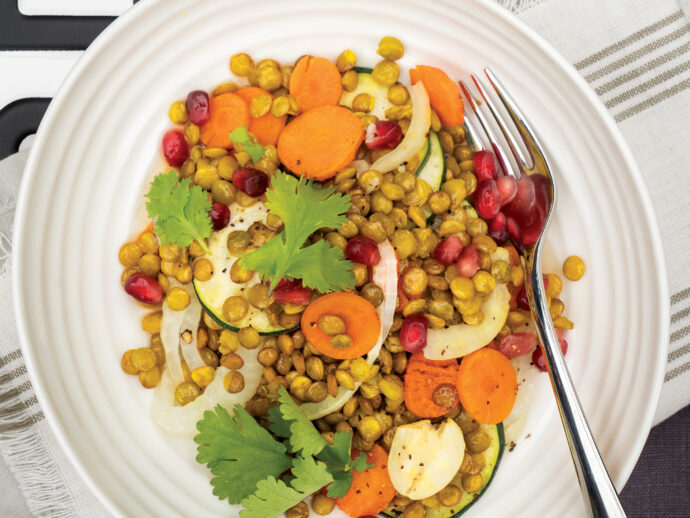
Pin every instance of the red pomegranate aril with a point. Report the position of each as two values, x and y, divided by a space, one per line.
532 229
363 250
220 216
383 135
507 188
485 166
288 283
514 231
522 301
413 333
250 181
198 110
144 289
175 149
517 344
448 251
538 358
487 199
498 228
523 202
542 191
296 294
468 262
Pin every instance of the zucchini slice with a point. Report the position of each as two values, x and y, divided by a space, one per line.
367 85
433 169
492 458
213 292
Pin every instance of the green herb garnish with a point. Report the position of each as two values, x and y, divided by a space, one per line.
241 138
180 211
304 208
248 463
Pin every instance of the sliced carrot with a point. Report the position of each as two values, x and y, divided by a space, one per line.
228 111
444 93
422 378
315 82
320 142
372 489
487 385
266 128
362 324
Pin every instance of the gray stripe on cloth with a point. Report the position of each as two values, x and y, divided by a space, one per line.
18 407
637 72
677 371
655 99
14 391
643 87
634 56
681 295
621 44
10 357
20 425
680 315
680 333
13 374
678 353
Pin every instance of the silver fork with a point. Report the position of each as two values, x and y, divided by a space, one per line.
598 491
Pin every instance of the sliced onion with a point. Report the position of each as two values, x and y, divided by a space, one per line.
416 135
180 420
360 166
190 322
385 275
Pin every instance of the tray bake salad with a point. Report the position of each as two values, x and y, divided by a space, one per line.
334 291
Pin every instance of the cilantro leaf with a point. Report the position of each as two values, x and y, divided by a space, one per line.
304 437
241 137
360 463
239 452
273 497
180 212
304 208
337 458
279 426
342 481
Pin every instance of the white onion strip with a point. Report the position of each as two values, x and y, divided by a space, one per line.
385 275
190 322
417 132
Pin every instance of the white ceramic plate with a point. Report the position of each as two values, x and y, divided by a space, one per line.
81 199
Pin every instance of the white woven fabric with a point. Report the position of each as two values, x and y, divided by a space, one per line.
634 53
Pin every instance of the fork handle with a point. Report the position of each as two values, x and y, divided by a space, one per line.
597 489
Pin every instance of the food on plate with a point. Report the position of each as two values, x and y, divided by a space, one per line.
333 289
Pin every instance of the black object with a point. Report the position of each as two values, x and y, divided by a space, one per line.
19 120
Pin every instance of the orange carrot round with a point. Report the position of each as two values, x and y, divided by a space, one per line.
487 385
372 489
422 378
444 93
266 128
320 142
315 82
362 324
228 111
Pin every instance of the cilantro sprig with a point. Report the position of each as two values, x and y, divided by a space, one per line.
249 464
242 139
180 211
304 208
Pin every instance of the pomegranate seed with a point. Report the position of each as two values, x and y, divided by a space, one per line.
538 358
198 108
220 216
514 231
507 188
363 250
532 229
296 293
250 181
288 283
413 333
522 301
468 262
383 135
448 250
498 228
487 199
517 344
542 191
484 166
143 288
523 202
175 148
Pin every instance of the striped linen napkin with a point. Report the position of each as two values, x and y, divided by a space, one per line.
636 56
